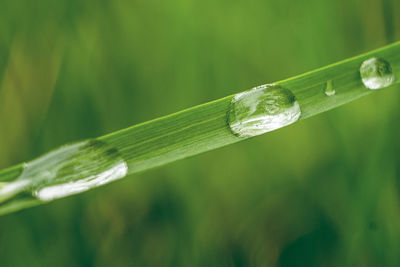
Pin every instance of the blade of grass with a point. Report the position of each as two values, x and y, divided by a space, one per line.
204 127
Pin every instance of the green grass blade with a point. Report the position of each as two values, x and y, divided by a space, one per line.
184 134
204 127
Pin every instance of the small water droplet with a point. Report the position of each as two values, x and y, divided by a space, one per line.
376 73
262 109
69 170
329 91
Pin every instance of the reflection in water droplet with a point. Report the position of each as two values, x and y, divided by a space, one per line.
376 73
8 190
68 170
262 109
94 180
329 91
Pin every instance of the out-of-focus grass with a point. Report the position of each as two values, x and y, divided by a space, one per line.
325 191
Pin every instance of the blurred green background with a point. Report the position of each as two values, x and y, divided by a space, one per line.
323 192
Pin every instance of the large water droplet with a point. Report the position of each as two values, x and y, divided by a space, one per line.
329 90
68 170
262 109
376 73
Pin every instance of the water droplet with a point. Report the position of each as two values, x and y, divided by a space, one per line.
262 109
376 73
68 170
329 91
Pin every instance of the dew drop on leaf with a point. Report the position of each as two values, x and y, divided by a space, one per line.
376 73
68 170
262 109
329 90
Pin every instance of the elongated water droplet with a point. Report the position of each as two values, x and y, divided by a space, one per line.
376 73
262 109
68 170
329 91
